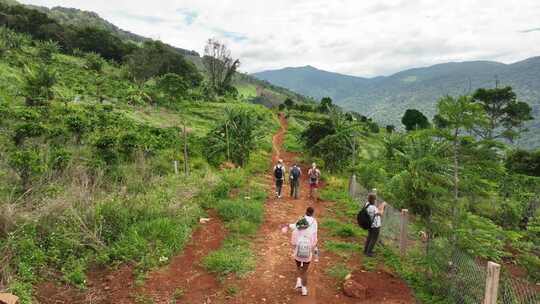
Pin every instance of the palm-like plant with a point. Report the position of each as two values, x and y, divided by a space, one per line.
233 138
422 176
38 85
46 50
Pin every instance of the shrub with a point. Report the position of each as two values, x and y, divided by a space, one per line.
234 257
231 210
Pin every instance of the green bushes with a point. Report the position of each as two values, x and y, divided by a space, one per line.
146 229
236 137
242 209
234 257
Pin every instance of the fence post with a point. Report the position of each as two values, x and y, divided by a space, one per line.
176 167
404 221
492 283
352 185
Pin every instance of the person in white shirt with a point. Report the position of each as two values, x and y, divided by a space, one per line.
375 214
304 242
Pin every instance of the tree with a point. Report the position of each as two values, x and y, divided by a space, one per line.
524 162
233 138
289 103
420 174
38 83
156 59
95 63
316 131
458 115
46 50
326 105
506 115
414 120
101 41
220 66
172 85
27 164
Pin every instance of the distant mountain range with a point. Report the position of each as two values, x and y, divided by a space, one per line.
386 98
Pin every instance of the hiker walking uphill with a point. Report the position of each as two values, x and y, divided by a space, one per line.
304 242
294 180
314 175
279 176
369 218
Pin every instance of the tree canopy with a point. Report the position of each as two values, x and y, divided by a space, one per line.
414 120
505 113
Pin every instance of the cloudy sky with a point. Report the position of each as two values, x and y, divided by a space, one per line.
363 38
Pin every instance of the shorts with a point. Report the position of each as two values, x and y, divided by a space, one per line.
299 264
313 185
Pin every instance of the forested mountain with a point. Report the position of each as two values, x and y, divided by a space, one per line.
80 18
386 98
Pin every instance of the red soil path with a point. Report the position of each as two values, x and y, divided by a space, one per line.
271 282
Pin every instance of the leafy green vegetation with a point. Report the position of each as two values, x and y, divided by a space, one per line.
86 162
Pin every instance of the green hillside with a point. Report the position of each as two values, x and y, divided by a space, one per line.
81 142
386 98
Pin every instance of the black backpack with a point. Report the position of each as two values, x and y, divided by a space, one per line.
278 173
295 172
363 218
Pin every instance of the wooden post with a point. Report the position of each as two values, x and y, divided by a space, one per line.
175 167
186 160
492 283
227 139
403 231
352 186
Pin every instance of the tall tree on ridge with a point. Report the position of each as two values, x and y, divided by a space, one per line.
505 113
220 66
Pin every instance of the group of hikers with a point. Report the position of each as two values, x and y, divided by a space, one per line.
314 175
304 231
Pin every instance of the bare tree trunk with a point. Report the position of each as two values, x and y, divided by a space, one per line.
456 183
186 160
227 139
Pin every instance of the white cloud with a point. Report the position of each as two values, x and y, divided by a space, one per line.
364 38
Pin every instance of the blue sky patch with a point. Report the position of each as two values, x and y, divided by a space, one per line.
189 15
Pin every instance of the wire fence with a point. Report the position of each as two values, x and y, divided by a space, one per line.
517 291
463 275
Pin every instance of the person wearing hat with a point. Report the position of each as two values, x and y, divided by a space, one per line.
279 176
304 242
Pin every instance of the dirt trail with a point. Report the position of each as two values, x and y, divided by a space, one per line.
184 274
271 282
274 278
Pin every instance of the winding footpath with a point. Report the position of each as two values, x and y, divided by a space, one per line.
272 281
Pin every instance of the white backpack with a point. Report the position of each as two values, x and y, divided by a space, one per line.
303 247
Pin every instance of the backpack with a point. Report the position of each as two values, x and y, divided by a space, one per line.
278 172
363 218
313 175
303 248
295 173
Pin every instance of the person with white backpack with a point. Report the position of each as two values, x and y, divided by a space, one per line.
304 242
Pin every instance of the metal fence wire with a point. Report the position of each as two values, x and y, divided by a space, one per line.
464 276
467 279
517 291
